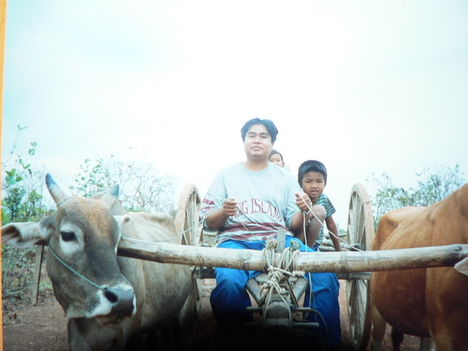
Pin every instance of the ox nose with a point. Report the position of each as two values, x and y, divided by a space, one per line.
122 300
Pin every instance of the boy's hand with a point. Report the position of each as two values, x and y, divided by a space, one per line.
229 207
303 202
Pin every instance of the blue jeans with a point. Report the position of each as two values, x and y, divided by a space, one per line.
229 299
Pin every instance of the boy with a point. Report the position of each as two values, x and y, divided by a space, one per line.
312 177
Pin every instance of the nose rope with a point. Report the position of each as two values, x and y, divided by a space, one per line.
75 272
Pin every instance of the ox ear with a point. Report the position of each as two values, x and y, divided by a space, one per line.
462 266
122 219
25 234
57 193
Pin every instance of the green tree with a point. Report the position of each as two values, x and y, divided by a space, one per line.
21 186
11 204
22 201
94 178
433 185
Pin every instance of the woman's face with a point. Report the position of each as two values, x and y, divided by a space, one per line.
276 159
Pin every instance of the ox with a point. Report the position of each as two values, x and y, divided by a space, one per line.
430 302
109 301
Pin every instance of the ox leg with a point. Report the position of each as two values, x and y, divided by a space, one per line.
159 340
427 344
187 319
378 330
151 341
397 339
169 338
135 342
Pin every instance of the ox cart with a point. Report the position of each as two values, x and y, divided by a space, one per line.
278 297
353 266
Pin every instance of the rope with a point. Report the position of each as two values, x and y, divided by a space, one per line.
278 270
239 221
346 245
75 272
183 233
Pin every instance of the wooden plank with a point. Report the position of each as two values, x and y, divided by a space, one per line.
255 290
208 273
343 261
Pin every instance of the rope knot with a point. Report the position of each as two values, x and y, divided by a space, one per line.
272 244
295 245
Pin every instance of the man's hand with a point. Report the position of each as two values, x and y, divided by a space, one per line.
303 202
229 207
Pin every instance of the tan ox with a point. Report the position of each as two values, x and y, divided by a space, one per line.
432 302
109 301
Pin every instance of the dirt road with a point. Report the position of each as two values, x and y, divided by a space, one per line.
43 327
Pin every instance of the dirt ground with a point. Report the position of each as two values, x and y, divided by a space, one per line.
43 326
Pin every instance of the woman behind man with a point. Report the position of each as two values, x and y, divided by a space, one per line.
277 159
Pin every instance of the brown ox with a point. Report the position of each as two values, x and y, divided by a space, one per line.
431 302
109 301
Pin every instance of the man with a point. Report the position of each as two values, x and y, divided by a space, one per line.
247 203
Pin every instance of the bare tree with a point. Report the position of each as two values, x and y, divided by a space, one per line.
433 185
142 187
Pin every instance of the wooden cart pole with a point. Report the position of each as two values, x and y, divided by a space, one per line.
382 260
37 273
338 262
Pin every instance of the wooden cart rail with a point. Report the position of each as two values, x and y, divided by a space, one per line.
337 262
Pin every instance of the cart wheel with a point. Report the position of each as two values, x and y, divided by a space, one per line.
187 224
360 235
188 216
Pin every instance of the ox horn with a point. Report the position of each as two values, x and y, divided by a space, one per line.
57 193
115 191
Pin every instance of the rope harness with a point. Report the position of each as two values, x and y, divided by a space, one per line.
277 290
279 269
276 293
75 272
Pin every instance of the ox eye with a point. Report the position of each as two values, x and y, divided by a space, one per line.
68 236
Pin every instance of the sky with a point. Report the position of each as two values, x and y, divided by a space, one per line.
366 87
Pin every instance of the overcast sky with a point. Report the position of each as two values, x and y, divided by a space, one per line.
363 86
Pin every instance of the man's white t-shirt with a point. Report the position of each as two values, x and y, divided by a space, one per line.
266 200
